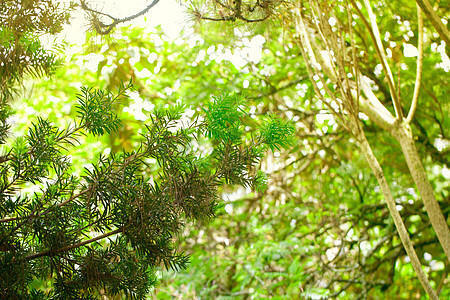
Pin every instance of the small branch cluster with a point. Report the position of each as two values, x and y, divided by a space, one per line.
234 10
105 28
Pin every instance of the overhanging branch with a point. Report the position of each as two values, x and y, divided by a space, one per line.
104 29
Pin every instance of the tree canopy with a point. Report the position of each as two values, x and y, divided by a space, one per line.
289 149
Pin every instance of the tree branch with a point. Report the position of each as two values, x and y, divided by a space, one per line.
419 67
104 29
403 233
312 67
70 247
374 108
403 134
32 215
375 35
434 19
285 86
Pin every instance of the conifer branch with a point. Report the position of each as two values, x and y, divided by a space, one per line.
73 246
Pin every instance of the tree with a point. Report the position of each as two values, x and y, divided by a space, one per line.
330 64
348 107
105 232
21 51
321 229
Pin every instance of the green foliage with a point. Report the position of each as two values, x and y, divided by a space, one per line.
315 220
261 181
277 133
21 51
5 112
223 117
110 229
322 221
96 110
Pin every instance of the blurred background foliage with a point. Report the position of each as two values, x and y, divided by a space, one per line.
321 229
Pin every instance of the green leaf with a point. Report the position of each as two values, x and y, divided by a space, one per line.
277 133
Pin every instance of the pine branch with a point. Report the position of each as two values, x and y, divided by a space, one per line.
73 246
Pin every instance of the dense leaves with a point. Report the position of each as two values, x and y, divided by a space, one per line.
58 232
96 110
316 226
21 51
223 118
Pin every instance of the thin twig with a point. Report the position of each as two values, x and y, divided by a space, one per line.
104 29
285 86
86 8
355 62
312 67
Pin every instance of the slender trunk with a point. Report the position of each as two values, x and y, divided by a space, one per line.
403 135
403 233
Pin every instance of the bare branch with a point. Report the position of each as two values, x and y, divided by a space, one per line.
375 34
312 67
419 67
372 107
104 29
86 8
233 13
401 229
285 86
434 19
355 64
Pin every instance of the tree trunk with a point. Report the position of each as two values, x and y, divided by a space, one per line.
403 134
403 233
